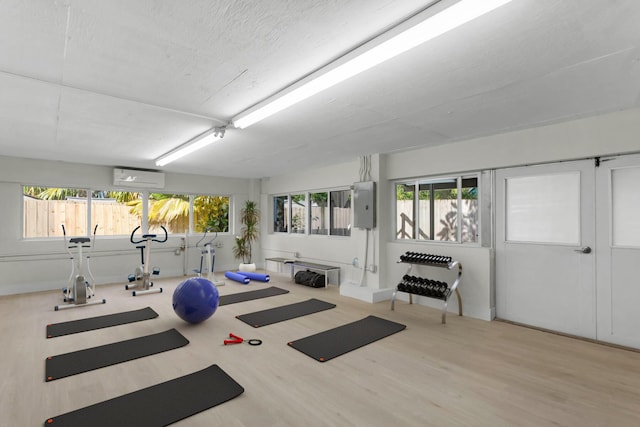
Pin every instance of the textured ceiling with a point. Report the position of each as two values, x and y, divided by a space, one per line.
121 82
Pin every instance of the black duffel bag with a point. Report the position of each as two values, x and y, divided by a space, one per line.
309 278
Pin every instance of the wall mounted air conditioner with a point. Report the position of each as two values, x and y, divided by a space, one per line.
137 178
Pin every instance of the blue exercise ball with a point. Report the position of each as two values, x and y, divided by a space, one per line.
195 300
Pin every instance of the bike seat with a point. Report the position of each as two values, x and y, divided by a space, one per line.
79 240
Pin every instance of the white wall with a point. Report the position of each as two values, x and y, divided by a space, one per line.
28 265
613 133
332 250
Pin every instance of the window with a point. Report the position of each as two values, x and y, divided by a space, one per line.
329 213
210 212
170 211
625 223
444 209
281 214
405 195
173 211
318 213
291 210
46 209
341 213
470 208
544 209
118 212
114 212
298 213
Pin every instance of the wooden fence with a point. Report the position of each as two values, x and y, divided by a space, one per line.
340 217
43 218
405 219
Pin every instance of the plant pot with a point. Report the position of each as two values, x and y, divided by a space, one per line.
249 268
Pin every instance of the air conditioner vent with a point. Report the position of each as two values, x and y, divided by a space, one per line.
136 178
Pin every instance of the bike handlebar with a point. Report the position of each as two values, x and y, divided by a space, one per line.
166 236
206 230
78 240
146 237
131 238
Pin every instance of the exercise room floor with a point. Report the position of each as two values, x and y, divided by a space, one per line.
465 373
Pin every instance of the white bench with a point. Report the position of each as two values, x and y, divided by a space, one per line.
311 266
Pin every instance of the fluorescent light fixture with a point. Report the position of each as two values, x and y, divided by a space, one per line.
192 145
435 25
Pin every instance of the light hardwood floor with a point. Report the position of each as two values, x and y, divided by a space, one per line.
465 373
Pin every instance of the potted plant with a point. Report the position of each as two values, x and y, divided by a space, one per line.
250 219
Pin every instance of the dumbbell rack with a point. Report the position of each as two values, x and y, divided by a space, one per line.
416 285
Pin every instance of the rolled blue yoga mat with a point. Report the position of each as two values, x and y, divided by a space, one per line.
237 277
255 276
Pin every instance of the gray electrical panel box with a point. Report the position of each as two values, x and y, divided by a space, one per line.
364 203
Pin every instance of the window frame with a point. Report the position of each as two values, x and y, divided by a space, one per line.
418 185
324 216
144 197
288 215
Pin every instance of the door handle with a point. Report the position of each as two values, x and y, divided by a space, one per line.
585 250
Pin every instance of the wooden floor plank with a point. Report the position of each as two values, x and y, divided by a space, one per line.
465 373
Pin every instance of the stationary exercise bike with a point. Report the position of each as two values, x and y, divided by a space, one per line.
142 276
79 290
207 259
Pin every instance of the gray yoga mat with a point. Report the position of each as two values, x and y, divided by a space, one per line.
343 339
99 322
77 362
285 312
251 295
158 405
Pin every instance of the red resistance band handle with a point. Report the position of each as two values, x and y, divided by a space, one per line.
236 339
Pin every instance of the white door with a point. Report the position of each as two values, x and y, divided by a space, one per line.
545 235
618 249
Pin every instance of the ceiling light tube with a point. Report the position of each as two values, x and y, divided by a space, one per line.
434 26
192 145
